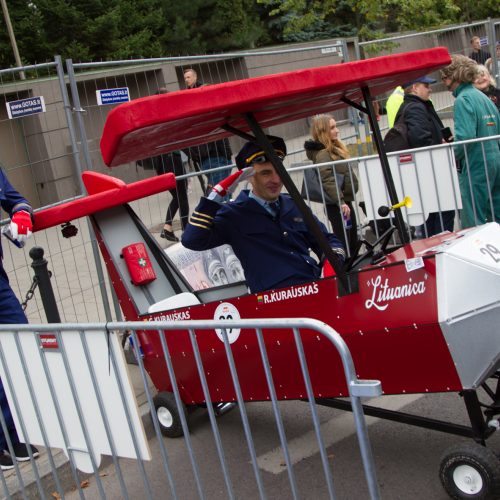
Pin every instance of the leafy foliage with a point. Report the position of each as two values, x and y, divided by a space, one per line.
86 30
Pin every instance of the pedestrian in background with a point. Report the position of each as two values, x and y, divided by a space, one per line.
486 84
213 154
393 104
478 55
191 79
489 62
425 128
475 117
172 162
339 183
165 163
11 312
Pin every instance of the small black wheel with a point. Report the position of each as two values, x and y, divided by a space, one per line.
470 471
168 414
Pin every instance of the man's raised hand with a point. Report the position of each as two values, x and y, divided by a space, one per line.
229 184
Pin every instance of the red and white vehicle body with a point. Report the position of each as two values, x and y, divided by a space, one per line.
417 316
422 319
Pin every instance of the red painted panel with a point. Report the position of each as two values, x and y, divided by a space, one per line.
117 193
390 326
152 125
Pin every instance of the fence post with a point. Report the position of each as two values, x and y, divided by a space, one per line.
77 107
42 276
86 154
69 120
492 39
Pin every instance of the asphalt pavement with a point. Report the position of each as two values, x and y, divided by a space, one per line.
407 458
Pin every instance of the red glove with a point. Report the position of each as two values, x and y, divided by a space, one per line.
21 226
228 185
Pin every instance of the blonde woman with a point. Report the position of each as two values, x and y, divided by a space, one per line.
337 181
486 84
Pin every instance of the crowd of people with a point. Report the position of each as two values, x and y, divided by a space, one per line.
475 116
412 102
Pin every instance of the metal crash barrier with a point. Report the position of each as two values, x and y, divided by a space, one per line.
73 396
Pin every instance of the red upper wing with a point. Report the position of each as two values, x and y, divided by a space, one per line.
153 125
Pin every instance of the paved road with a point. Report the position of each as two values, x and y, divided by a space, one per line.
407 458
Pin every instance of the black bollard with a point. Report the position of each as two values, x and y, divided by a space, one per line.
42 276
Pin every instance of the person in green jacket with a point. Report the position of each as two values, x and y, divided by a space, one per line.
478 163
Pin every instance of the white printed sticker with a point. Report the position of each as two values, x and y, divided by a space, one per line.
413 264
227 311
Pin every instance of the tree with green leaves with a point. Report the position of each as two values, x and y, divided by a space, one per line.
89 30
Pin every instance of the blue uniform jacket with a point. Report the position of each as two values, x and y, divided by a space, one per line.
274 251
10 200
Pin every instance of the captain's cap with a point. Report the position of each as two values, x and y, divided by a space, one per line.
252 152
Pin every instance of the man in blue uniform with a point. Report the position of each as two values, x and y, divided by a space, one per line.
11 312
265 228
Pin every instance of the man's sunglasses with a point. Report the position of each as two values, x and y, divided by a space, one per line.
260 157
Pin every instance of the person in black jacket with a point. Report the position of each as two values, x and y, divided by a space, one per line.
478 54
162 164
172 162
425 128
191 79
213 154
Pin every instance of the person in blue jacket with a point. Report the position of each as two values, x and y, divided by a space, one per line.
264 227
11 312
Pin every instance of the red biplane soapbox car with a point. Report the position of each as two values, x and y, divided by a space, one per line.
421 317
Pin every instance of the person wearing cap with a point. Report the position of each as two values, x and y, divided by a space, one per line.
475 117
425 128
213 154
264 227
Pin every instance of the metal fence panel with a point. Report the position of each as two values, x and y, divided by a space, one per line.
207 457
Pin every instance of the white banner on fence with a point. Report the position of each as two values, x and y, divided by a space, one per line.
428 177
75 395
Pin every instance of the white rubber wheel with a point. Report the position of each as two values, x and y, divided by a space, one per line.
165 416
468 479
470 471
168 414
